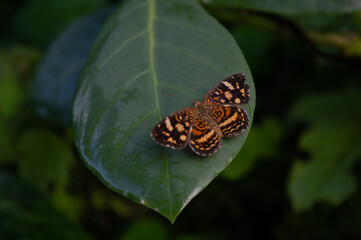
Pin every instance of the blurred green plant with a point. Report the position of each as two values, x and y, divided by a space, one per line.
153 230
11 96
44 158
42 20
290 7
25 213
330 28
17 64
146 229
334 144
45 193
54 86
263 142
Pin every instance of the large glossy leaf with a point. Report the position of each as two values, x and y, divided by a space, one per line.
291 7
147 51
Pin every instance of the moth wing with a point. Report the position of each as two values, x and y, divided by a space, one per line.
173 131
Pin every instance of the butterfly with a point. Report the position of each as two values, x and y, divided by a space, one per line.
204 125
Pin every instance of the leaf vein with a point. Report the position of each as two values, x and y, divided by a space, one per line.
191 54
117 94
127 135
121 47
151 20
190 27
130 11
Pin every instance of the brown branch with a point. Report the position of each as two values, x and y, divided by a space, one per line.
232 15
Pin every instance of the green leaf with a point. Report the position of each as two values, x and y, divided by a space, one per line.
189 237
333 142
54 86
25 213
69 204
11 96
11 99
146 229
262 142
44 158
147 51
326 177
320 108
18 63
291 7
8 150
41 20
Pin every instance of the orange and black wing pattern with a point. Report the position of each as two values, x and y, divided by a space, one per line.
230 91
173 131
232 120
202 126
203 139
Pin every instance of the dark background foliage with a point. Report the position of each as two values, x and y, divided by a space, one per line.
296 177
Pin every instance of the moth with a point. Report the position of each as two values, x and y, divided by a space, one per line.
219 115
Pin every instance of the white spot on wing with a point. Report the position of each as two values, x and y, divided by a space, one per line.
168 124
227 84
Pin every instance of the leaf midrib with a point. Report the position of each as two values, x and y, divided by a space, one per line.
150 28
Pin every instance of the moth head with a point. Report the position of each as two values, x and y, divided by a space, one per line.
196 103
